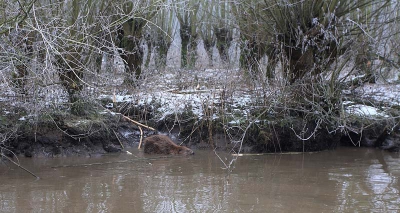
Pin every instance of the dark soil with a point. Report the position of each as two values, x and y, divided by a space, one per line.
377 136
67 135
293 137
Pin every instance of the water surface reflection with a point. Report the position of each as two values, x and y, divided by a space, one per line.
344 180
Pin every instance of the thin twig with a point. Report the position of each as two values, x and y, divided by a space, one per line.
120 143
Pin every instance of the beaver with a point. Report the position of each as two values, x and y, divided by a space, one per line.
161 144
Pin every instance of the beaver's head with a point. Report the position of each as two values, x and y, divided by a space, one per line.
183 150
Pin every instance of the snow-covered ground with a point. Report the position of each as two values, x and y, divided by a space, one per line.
181 90
204 91
363 110
384 93
197 90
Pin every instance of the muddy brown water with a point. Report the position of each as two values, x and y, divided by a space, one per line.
344 180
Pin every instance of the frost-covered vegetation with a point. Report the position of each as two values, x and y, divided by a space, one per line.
254 71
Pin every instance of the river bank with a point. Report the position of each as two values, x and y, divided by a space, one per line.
63 135
214 108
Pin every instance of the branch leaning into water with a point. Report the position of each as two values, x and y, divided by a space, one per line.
19 165
137 123
141 137
140 128
133 121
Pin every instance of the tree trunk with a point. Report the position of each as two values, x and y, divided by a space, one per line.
250 55
149 43
129 36
26 46
224 39
299 63
162 51
132 57
188 49
70 73
208 46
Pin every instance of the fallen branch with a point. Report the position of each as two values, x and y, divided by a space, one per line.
135 122
19 165
141 137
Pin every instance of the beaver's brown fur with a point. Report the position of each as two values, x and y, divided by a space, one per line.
161 144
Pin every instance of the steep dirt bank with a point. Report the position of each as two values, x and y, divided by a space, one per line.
65 135
56 135
62 134
203 110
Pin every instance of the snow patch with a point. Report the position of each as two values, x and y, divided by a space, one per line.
364 110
